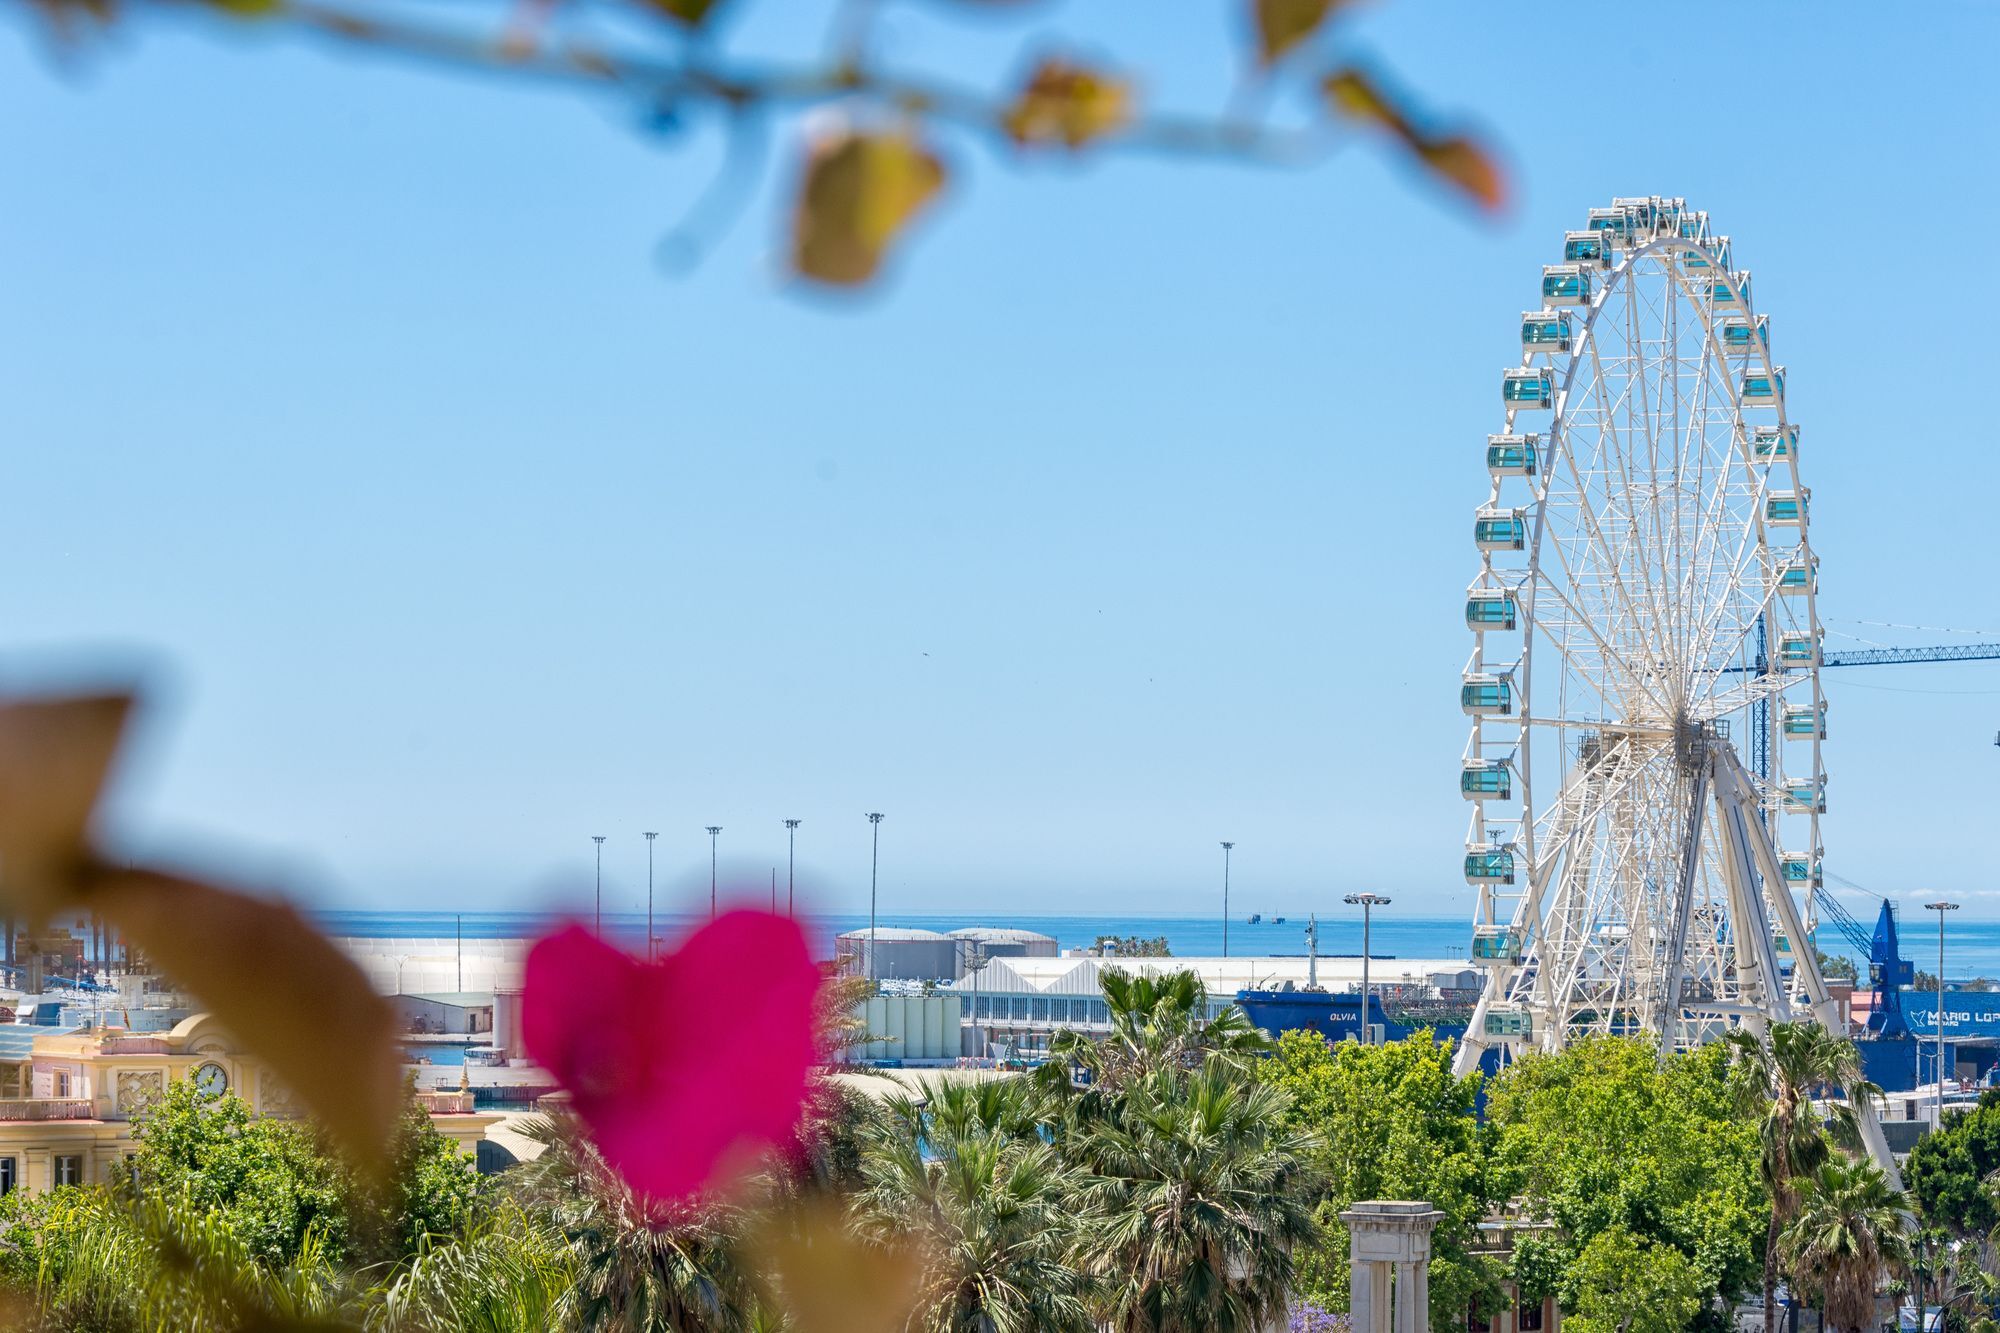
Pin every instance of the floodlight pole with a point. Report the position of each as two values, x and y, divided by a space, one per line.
1940 907
598 838
1367 902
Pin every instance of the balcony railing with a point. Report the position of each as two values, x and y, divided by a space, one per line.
47 1108
136 1046
446 1103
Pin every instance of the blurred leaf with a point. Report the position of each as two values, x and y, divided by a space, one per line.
827 1279
690 13
1455 159
248 9
1069 104
54 757
860 190
281 988
1283 24
1468 166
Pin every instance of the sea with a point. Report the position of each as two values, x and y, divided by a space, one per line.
1972 947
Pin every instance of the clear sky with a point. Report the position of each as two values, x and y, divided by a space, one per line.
350 398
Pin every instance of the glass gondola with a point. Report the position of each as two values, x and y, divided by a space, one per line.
1697 261
1798 576
1732 292
1566 284
1528 387
1486 780
1586 247
1762 388
1613 222
1509 1021
1772 442
1800 871
1799 650
1496 944
1500 530
1482 695
1513 455
1694 227
1805 795
1787 510
1546 331
1491 608
1489 865
1742 335
1804 722
1643 215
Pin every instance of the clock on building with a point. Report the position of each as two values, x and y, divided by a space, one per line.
211 1079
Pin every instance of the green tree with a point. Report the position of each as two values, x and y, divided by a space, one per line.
1947 1172
1205 1194
1157 1022
1779 1074
1605 1134
1394 1123
1623 1283
1846 1239
510 1273
995 1210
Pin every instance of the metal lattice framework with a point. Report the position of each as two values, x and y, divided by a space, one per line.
1644 602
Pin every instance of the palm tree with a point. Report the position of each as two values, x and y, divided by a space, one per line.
509 1273
1203 1193
1847 1236
1779 1078
1157 1021
640 1264
963 1175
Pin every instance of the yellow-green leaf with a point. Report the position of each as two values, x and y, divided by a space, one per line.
860 191
279 986
54 757
1456 159
1283 24
689 13
827 1279
248 9
1068 104
1463 163
1357 96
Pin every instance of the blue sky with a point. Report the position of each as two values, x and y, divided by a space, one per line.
350 400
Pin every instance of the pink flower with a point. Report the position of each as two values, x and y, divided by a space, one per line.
683 1066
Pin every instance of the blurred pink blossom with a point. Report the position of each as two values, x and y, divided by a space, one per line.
683 1066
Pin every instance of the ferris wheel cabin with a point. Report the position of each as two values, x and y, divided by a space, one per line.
1483 695
1500 530
1546 331
1771 442
1744 335
1565 284
1496 944
1614 223
1489 865
1586 247
1697 261
1491 608
1799 650
1509 1021
1763 389
1694 227
1801 871
1804 722
1799 576
1787 510
1513 455
1805 796
1486 780
1529 387
1732 292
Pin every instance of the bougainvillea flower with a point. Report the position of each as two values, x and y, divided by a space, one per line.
682 1066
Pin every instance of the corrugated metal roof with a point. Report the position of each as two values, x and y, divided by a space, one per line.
1222 976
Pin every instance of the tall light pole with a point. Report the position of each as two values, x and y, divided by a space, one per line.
649 895
1227 847
874 865
791 865
1940 907
598 838
713 831
1367 902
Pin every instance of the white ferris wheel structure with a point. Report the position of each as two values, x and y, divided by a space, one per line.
1646 718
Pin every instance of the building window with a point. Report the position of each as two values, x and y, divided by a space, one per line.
9 1174
1040 1014
983 1007
69 1170
1529 1318
62 1083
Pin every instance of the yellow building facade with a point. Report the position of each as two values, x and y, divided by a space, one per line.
67 1099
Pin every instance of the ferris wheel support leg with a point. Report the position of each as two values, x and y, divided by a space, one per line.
1667 1017
1805 963
1474 1045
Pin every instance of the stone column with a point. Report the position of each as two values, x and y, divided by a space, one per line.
1388 1235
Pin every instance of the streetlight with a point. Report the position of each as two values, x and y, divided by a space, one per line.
1940 907
1227 847
649 895
713 830
1367 902
598 838
791 864
874 865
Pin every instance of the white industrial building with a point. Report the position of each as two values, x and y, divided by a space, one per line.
1014 1005
982 943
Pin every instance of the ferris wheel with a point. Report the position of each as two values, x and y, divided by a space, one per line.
1643 765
